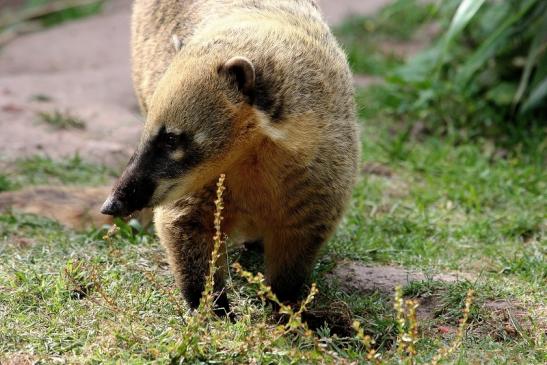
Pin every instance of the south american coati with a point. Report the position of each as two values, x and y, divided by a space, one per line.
260 91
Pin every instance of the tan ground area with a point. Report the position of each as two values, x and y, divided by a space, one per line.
83 68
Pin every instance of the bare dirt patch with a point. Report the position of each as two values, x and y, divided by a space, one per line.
356 276
363 81
507 318
408 48
499 319
75 207
19 359
336 11
20 241
376 168
82 68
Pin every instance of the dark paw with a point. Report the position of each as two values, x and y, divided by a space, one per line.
254 246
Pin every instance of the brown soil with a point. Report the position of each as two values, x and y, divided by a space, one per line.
82 67
74 207
335 11
378 169
19 359
406 49
500 319
356 276
508 318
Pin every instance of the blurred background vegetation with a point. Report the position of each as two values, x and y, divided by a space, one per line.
484 75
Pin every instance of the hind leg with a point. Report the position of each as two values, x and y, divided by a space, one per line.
186 231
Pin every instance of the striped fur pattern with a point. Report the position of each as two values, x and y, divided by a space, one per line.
288 147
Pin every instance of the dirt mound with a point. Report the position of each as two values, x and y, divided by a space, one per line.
19 359
499 318
74 207
356 276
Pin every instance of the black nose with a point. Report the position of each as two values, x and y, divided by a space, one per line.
114 207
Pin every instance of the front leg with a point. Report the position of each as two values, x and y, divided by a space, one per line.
290 255
186 231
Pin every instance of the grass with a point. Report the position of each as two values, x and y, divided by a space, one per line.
20 17
42 98
432 202
60 121
5 183
85 9
41 170
442 206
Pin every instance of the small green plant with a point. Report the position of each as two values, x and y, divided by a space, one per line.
42 98
79 279
61 121
51 13
5 183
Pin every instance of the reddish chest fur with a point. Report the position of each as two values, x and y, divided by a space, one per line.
254 183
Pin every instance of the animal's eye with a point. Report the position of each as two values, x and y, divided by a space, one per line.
169 141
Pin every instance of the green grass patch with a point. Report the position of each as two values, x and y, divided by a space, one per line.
40 170
41 98
5 183
424 202
446 204
59 120
67 13
433 206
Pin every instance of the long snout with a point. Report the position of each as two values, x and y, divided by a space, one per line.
114 207
133 191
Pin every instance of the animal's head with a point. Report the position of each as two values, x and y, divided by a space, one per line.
200 118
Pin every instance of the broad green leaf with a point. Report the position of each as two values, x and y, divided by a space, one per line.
536 49
464 14
488 48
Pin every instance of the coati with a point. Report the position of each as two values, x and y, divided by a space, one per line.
260 91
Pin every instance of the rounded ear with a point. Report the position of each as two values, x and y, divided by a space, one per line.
242 72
